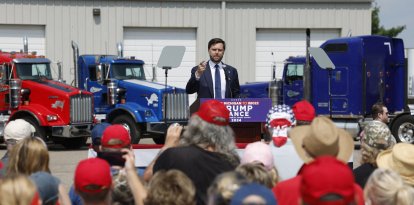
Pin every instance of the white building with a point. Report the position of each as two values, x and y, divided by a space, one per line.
253 30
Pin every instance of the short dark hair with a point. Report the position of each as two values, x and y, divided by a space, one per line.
376 109
215 41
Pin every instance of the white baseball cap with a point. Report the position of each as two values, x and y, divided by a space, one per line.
18 129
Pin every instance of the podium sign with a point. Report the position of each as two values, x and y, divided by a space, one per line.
246 109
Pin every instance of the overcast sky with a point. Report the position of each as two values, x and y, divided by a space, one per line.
397 13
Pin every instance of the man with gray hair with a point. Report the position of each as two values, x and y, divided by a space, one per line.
204 150
14 131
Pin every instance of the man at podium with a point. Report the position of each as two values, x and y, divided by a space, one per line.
213 78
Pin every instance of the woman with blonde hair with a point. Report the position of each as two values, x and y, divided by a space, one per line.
386 187
28 156
18 190
223 188
256 173
170 187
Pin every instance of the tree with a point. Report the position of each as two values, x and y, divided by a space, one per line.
377 29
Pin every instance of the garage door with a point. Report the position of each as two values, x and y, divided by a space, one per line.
147 43
11 38
273 46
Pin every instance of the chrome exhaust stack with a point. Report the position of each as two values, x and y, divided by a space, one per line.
25 45
120 49
75 49
14 93
112 93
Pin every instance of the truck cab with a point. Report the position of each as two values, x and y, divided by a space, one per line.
95 77
122 95
293 80
58 112
368 69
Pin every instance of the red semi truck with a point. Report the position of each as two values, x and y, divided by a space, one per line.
59 112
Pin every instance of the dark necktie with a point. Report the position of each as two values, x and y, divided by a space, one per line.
217 83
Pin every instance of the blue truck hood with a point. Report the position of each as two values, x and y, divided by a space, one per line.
146 85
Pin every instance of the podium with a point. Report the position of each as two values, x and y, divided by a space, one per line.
247 116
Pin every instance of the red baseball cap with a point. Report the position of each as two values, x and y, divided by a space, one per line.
327 176
93 175
303 111
115 136
214 111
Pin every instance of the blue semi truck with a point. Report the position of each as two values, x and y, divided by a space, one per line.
368 69
122 95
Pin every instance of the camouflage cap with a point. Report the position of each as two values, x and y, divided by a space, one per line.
378 135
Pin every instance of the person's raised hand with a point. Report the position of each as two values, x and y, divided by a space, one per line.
129 160
201 68
173 135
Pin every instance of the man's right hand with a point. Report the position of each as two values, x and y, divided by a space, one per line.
200 69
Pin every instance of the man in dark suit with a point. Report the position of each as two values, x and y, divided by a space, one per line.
214 79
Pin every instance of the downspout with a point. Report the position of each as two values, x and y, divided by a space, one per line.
75 49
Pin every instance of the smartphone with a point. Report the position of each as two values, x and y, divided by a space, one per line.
113 158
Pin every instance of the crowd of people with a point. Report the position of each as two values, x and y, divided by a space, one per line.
199 164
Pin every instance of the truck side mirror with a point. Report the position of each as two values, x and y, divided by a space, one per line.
6 72
60 78
99 72
321 58
2 74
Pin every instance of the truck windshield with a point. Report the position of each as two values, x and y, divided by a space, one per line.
294 72
33 71
128 71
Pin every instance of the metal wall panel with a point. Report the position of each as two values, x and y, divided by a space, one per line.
67 20
243 19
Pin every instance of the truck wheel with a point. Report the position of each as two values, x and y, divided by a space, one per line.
158 138
39 130
403 129
74 143
129 123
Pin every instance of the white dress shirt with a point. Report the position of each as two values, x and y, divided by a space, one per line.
222 77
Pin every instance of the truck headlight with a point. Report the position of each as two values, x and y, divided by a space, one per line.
51 118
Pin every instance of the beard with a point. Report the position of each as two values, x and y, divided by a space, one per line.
216 59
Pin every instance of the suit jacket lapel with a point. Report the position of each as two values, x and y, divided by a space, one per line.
209 80
227 77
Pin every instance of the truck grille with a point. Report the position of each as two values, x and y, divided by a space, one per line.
177 106
81 109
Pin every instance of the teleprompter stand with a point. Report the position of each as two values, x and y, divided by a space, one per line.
171 57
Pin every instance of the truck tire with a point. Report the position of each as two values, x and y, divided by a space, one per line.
39 130
158 138
74 143
403 129
129 123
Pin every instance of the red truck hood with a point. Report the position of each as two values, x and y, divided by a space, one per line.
52 87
